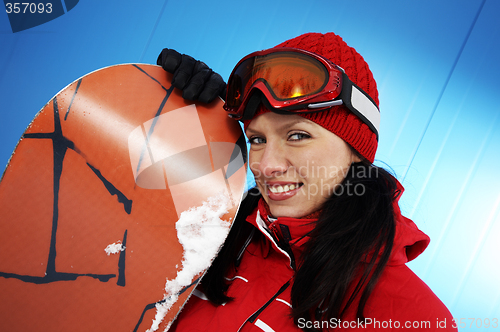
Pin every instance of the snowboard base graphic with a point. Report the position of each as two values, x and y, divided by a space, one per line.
90 200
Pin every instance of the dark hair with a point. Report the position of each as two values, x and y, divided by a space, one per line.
348 250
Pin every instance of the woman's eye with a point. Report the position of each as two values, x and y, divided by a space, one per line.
298 136
256 140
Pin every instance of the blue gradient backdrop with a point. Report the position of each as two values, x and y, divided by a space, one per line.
436 64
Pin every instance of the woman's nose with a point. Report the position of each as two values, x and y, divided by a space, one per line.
273 161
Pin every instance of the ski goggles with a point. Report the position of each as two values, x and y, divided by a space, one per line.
295 81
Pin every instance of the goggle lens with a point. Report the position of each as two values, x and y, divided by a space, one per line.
287 75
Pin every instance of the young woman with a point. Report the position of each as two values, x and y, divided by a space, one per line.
320 243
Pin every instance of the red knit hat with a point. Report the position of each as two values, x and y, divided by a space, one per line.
339 119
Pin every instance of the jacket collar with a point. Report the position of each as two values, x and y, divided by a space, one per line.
292 232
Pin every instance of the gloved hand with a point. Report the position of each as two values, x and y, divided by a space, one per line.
196 80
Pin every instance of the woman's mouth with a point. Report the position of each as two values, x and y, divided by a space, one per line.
279 192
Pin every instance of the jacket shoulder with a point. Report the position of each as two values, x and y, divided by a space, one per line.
400 295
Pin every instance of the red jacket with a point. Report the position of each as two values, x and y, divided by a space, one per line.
261 288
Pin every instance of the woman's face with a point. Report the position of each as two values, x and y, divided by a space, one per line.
297 164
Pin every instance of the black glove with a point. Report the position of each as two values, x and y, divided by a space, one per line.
196 80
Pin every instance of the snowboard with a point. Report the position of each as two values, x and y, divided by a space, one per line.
115 201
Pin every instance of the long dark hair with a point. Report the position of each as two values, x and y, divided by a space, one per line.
348 250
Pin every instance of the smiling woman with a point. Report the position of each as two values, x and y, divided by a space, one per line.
320 243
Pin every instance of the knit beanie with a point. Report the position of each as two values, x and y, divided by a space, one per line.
339 119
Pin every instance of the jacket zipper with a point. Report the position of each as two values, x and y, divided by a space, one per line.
256 314
287 253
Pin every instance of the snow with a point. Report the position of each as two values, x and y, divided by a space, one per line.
114 248
201 232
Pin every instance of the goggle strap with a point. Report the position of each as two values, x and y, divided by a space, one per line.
361 104
253 103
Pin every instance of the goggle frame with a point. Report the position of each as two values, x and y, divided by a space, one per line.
337 90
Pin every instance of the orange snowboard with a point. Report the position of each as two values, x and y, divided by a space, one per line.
91 196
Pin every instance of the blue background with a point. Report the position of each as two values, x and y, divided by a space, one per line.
436 64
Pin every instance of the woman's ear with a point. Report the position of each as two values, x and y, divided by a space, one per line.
355 156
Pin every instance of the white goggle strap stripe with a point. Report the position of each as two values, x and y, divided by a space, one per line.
361 104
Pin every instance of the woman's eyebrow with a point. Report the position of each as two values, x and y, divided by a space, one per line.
287 125
282 127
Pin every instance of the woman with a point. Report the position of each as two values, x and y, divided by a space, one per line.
320 243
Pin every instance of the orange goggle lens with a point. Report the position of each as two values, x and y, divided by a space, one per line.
287 75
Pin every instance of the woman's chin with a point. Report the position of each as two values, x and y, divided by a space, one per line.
291 211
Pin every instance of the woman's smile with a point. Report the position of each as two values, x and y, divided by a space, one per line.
279 191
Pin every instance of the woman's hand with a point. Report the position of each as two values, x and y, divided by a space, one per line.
196 80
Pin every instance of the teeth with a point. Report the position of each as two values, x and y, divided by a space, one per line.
281 189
